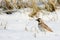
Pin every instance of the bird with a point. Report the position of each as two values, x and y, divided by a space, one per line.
43 26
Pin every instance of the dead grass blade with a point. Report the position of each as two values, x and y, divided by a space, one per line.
50 6
8 5
35 9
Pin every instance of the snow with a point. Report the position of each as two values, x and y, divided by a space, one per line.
16 23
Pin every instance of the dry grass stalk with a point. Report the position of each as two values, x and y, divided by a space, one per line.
58 1
8 5
50 6
35 9
19 4
25 4
15 4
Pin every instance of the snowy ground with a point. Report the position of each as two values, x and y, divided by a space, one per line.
16 23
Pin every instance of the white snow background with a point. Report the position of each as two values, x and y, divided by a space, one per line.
15 26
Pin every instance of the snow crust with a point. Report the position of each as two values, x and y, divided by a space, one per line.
16 23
